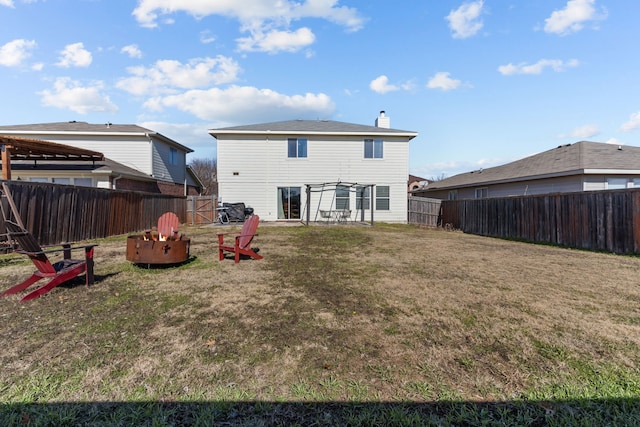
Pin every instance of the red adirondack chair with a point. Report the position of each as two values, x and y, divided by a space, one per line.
59 272
242 244
168 225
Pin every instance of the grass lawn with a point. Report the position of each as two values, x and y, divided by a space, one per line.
384 325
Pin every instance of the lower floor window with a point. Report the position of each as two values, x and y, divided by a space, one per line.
342 197
289 203
382 198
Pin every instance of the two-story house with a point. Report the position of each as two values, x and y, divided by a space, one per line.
136 158
270 167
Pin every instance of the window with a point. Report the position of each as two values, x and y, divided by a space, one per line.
453 195
38 179
372 148
173 156
297 147
382 198
83 182
65 181
289 203
482 193
363 195
616 183
342 197
636 182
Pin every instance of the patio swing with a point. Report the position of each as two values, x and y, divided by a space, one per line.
336 214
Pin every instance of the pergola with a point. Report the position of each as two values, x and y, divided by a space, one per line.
16 148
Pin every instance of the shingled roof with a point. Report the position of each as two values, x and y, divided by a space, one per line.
84 128
309 127
582 157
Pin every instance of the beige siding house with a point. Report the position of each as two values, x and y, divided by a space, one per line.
269 167
582 166
140 159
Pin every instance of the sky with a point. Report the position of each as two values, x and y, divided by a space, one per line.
483 82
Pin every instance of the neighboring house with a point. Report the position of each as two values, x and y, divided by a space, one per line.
140 159
582 166
270 166
417 183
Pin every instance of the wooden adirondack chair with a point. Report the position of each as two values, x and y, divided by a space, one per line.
168 225
242 244
59 272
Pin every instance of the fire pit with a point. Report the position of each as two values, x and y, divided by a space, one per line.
151 249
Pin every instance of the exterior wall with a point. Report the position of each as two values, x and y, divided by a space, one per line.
161 161
133 185
59 177
251 169
567 184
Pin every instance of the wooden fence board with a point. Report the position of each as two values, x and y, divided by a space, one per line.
596 220
60 213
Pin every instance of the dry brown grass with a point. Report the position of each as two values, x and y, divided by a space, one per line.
389 313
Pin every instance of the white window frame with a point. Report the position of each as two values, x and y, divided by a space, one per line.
482 192
297 148
373 149
383 197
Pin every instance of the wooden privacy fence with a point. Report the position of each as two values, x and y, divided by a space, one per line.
594 220
424 211
62 213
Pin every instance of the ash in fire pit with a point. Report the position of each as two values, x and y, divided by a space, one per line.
161 246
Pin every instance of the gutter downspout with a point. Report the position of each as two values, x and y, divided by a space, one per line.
113 182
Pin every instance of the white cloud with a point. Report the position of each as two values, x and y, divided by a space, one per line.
582 132
8 3
244 104
573 17
132 50
381 85
70 94
465 21
538 67
15 52
166 76
75 55
443 82
206 37
276 41
632 124
266 21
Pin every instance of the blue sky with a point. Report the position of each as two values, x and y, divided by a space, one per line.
483 82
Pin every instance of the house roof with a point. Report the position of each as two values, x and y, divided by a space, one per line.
582 157
83 128
310 127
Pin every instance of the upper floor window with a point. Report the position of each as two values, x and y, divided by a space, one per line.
173 156
297 147
373 148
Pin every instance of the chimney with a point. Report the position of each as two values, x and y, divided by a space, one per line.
383 121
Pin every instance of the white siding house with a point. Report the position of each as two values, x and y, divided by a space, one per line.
269 167
150 153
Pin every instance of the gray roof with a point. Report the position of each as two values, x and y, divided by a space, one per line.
311 127
75 127
582 157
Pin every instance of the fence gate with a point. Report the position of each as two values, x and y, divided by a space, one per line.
201 209
424 211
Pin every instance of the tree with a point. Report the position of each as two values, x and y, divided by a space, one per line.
207 171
